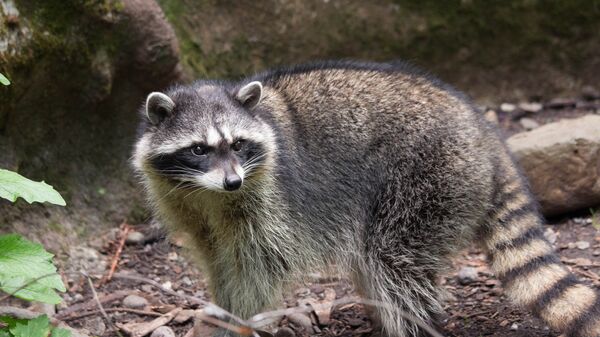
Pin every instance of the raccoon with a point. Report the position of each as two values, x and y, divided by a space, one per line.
375 168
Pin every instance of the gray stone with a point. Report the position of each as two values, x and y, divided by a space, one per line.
467 275
507 107
163 331
84 258
95 326
491 116
531 107
550 235
562 163
582 245
135 238
528 123
135 302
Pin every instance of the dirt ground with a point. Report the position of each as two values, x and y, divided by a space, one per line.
475 306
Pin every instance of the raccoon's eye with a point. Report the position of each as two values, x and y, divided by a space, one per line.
198 150
237 146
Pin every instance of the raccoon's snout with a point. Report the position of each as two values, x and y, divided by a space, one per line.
232 182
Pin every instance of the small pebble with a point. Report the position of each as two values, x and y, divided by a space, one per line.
168 285
507 107
134 238
467 275
528 123
491 116
95 326
163 331
172 256
186 280
582 245
550 235
147 288
514 326
135 302
77 297
596 252
531 107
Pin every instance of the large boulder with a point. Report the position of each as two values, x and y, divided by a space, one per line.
80 71
562 162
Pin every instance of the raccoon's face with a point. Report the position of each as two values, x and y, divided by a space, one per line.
205 136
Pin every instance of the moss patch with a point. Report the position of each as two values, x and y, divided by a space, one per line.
507 48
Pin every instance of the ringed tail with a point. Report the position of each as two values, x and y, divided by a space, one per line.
532 273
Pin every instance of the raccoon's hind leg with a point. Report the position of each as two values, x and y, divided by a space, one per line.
401 289
398 267
532 273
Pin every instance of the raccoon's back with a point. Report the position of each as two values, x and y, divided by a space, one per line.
350 129
363 107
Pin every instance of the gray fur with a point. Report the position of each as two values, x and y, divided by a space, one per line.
373 168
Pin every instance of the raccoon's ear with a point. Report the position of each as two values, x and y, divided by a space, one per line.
250 94
158 106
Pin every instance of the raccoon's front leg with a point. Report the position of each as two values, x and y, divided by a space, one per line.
243 289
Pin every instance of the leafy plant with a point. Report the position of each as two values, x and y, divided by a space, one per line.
14 185
26 269
22 262
36 327
4 81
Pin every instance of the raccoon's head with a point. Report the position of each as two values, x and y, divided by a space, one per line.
207 136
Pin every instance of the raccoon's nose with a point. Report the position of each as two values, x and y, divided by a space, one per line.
232 182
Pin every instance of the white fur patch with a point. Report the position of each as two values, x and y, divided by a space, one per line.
227 134
213 137
212 180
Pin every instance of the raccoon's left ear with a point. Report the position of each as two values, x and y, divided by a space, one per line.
250 94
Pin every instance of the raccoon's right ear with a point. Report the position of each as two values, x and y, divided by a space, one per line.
158 106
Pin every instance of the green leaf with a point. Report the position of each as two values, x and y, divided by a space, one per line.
22 261
14 185
4 80
5 333
11 322
59 332
37 327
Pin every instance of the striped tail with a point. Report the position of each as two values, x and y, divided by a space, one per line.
526 263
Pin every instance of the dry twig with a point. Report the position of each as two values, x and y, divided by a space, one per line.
95 312
144 328
95 294
115 260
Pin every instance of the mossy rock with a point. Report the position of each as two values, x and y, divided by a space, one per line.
494 50
80 70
